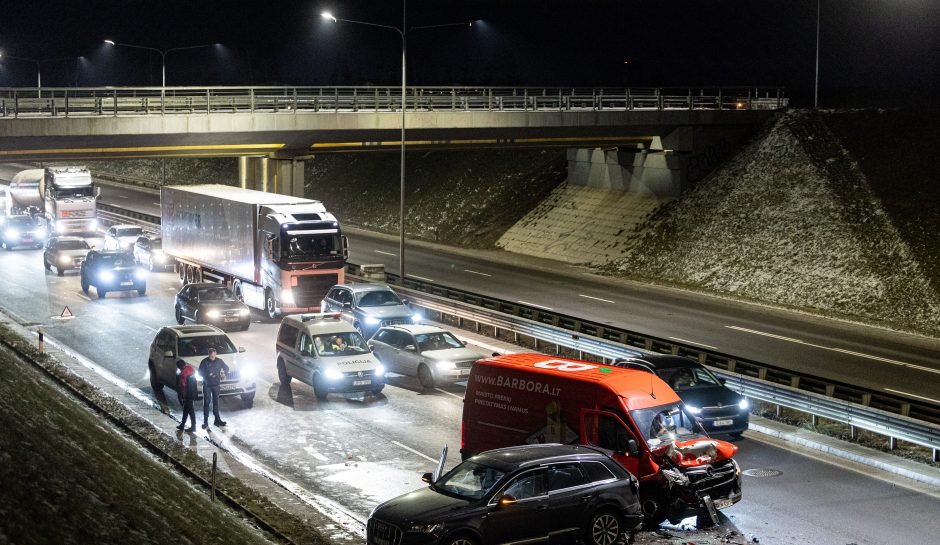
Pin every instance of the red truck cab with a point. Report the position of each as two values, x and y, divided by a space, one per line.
534 398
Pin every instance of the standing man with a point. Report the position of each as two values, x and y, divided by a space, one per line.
212 370
188 390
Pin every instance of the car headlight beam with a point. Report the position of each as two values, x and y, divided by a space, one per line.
213 314
371 320
693 409
333 374
106 276
380 370
445 365
743 404
244 312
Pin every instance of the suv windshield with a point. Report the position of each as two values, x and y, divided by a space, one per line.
666 423
199 346
384 298
469 480
340 344
437 341
72 245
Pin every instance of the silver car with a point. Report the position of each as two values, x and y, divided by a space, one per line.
432 354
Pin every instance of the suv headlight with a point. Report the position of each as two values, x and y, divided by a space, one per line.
379 370
371 320
444 365
140 274
743 404
426 528
693 409
65 260
212 314
106 276
333 374
248 373
416 317
244 312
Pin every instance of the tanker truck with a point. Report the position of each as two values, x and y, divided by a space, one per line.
277 253
65 198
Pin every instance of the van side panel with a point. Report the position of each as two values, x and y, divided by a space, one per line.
505 406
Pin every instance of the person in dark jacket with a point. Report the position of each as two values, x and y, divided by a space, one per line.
188 389
212 370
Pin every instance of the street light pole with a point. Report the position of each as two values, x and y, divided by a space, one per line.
816 87
162 52
403 33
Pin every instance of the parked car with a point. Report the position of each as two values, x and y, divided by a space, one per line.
368 306
148 252
719 409
525 494
431 353
112 271
21 231
211 303
328 354
65 253
191 343
122 236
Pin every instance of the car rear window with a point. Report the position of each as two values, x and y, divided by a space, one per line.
597 471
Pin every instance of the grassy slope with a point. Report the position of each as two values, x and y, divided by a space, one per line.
68 478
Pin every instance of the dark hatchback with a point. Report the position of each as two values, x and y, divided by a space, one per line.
524 494
112 271
21 231
211 303
719 409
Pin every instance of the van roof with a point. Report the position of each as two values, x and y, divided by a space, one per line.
632 385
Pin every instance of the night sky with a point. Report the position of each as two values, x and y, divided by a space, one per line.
871 50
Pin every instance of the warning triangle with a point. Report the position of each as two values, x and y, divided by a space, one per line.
66 313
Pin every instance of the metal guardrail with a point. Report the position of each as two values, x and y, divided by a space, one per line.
117 101
894 426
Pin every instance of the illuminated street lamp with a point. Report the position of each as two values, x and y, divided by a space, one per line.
162 53
38 63
403 33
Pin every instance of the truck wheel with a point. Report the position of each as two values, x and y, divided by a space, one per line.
248 400
179 316
270 305
604 528
84 286
282 372
154 380
318 389
181 270
425 377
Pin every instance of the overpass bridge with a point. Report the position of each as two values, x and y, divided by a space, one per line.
281 126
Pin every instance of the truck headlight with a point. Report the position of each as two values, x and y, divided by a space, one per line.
380 370
287 296
693 409
213 314
333 374
743 404
371 320
445 365
106 276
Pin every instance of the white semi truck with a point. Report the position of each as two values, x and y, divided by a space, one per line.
64 197
278 253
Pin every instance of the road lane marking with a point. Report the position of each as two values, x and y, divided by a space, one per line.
534 305
85 297
839 350
476 272
409 449
693 342
122 196
421 278
597 298
912 395
384 253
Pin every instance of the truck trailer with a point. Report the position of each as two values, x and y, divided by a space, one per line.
278 253
65 198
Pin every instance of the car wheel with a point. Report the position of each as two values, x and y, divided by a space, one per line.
142 290
604 528
270 305
84 286
282 372
179 316
154 381
461 539
425 377
318 389
378 390
46 264
248 400
60 271
245 326
102 293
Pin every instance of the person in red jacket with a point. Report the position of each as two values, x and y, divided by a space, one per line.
188 389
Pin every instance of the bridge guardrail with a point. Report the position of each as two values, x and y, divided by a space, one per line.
894 426
117 101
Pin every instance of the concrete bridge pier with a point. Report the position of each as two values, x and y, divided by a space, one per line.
282 176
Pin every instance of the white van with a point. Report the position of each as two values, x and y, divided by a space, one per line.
328 353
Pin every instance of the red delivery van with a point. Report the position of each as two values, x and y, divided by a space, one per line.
520 399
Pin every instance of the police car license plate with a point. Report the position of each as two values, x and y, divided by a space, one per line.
727 422
723 502
128 283
361 382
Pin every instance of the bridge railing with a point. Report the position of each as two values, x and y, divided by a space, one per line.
128 101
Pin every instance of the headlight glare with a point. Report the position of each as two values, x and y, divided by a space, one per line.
140 274
244 312
65 260
333 374
249 372
287 296
416 317
213 314
444 365
11 233
379 370
743 404
106 276
693 409
370 320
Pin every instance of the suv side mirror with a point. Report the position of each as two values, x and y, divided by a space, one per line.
632 449
241 349
426 478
